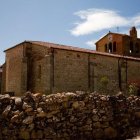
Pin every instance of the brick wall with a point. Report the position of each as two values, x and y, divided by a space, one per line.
100 46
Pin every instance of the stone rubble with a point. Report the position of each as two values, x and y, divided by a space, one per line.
69 116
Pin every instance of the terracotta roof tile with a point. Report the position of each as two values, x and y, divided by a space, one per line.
71 48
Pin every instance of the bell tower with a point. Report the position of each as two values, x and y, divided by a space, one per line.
133 33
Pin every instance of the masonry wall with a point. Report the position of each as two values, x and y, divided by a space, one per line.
69 116
14 69
104 73
51 70
3 82
0 81
133 71
70 71
100 46
41 69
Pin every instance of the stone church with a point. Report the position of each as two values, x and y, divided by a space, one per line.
49 68
122 44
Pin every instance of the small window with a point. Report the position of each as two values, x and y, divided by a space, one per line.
131 47
114 46
39 72
110 47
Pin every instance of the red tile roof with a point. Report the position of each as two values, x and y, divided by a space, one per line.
71 48
114 34
111 33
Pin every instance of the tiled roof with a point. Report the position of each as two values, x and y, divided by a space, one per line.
59 46
71 48
111 33
115 34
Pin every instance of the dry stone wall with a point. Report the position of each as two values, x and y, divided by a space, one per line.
69 116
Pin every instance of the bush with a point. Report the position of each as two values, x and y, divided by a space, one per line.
132 89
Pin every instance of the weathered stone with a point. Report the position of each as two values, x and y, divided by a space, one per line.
18 101
98 133
92 118
78 104
17 112
33 134
6 111
86 127
39 134
14 118
41 114
24 135
36 95
73 119
50 114
28 120
25 106
31 126
95 111
137 114
95 118
110 132
97 125
28 109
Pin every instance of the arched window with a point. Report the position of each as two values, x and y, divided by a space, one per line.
114 46
105 47
131 47
137 48
110 47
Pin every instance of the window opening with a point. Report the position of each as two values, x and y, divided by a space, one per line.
110 47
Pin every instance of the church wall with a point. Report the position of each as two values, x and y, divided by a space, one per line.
55 70
133 72
110 38
41 69
70 71
104 73
13 69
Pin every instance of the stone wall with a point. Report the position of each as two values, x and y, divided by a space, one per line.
14 69
69 116
70 71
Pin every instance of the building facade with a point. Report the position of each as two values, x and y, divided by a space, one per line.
127 45
49 68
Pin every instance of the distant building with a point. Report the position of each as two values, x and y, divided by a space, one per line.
122 44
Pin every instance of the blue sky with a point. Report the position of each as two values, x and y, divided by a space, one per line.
71 22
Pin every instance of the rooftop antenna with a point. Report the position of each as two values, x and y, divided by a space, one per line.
117 29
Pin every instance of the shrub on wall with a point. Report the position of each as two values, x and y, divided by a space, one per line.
104 84
132 89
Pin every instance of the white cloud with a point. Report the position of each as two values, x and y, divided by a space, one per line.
136 20
91 44
95 20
